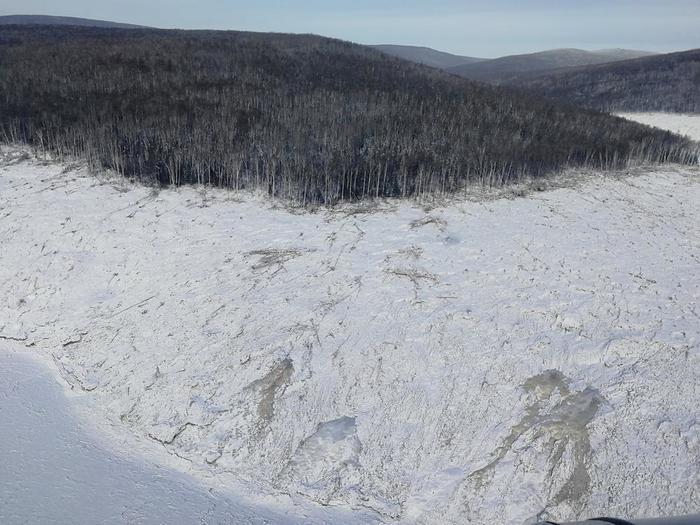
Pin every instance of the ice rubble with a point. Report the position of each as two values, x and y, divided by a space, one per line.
495 360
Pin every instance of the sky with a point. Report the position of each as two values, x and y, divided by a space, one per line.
482 28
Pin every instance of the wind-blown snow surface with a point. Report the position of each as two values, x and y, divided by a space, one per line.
688 125
496 360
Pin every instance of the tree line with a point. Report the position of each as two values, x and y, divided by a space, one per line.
305 118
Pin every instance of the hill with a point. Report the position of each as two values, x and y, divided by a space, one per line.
301 117
60 20
618 54
501 69
427 56
660 83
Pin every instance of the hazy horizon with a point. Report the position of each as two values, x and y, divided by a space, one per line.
479 28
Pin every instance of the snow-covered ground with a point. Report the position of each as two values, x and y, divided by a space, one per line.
58 469
495 360
688 125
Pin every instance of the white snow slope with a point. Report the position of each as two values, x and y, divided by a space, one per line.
482 362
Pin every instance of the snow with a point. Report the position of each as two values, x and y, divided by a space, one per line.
57 469
683 124
489 361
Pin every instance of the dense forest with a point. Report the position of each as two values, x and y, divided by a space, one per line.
668 82
301 117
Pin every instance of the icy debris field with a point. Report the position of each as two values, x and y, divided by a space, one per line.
492 361
58 468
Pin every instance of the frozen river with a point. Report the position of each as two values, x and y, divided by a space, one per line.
56 469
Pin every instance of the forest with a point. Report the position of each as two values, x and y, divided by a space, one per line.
668 82
300 117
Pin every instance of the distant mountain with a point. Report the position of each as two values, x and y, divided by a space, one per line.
668 82
624 54
502 70
61 21
427 56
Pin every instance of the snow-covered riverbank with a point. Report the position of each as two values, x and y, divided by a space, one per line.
499 360
58 469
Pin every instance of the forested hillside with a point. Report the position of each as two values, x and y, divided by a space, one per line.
302 117
503 70
660 83
427 56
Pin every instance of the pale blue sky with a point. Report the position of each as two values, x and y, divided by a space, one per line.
478 28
